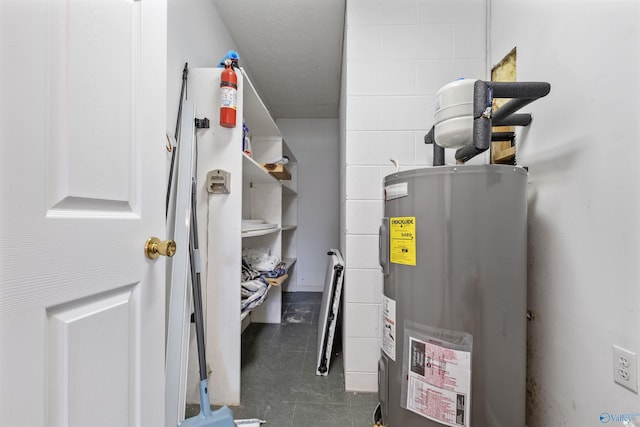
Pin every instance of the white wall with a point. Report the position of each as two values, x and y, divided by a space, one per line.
582 150
196 35
315 144
398 53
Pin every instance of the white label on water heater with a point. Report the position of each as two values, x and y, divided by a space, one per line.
439 383
395 191
389 327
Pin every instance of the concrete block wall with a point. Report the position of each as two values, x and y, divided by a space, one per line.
397 54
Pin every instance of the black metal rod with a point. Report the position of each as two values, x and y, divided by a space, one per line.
438 151
428 138
468 152
522 93
185 71
482 103
521 90
196 285
438 155
509 108
502 136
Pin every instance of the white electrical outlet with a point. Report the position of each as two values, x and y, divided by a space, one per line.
625 368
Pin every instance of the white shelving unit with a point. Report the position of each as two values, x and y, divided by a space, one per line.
254 195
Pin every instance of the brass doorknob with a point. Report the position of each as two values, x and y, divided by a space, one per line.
155 247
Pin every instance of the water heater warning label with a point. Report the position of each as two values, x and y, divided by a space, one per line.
389 322
402 240
439 383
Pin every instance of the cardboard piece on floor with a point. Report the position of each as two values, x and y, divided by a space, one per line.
329 310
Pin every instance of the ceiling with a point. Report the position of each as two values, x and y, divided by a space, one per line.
292 50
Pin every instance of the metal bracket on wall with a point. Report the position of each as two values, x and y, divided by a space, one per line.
219 181
202 123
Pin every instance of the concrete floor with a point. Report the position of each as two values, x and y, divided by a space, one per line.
279 383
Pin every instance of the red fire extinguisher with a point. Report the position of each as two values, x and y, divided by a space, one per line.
228 96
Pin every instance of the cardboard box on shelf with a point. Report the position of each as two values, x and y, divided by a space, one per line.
279 171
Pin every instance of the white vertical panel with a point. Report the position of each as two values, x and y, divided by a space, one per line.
68 103
270 311
289 209
91 95
266 203
583 246
219 228
92 361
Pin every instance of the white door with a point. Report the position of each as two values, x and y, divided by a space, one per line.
82 181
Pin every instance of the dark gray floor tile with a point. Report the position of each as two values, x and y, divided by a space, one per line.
321 415
297 297
278 377
296 329
276 359
276 414
191 411
361 416
362 407
294 316
258 334
365 399
289 342
303 307
311 388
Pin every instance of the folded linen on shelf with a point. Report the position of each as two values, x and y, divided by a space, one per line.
253 298
260 270
248 273
279 270
260 258
253 288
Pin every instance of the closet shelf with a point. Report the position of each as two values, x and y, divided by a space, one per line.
289 262
261 232
253 172
289 227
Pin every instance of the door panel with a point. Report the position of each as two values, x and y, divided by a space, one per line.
92 91
91 350
82 180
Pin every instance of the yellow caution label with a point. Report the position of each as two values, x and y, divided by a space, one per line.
402 240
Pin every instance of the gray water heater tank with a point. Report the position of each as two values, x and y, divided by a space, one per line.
453 253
